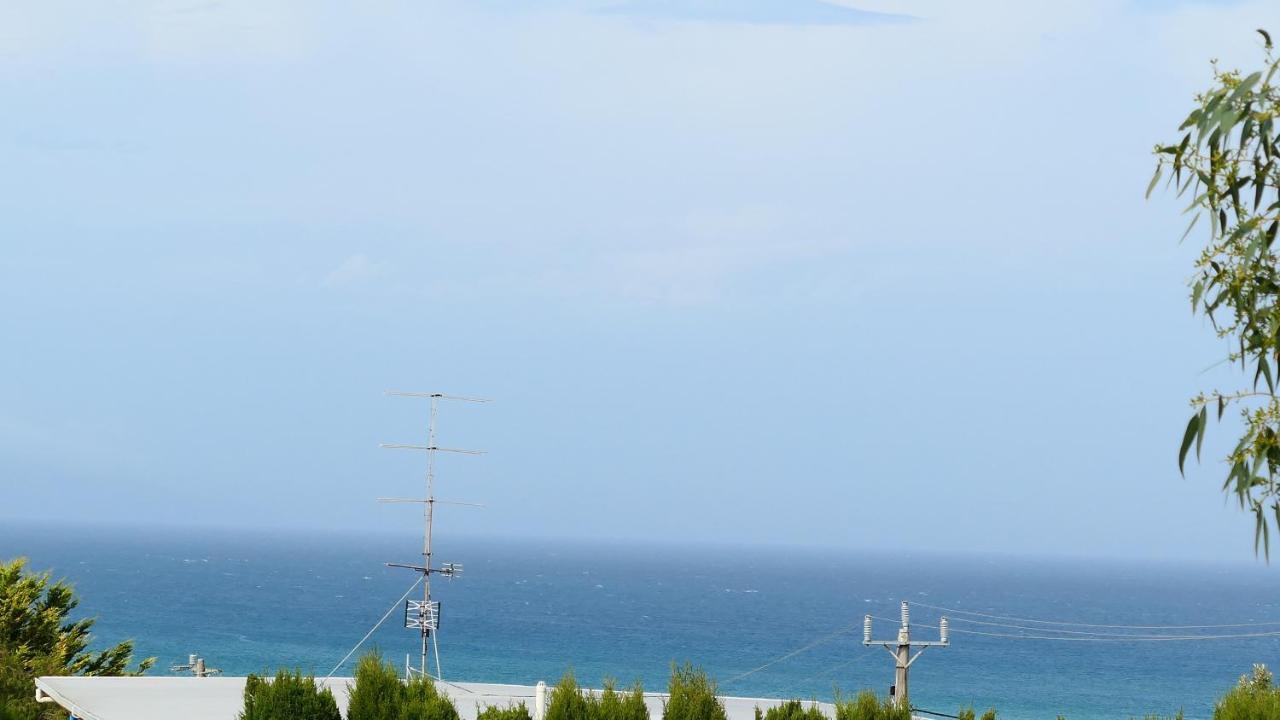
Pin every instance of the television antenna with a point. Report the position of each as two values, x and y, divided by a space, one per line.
424 615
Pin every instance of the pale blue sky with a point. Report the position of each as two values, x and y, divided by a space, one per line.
734 272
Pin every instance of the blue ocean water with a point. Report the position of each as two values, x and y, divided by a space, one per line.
527 611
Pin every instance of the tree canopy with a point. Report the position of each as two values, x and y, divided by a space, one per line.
1227 162
38 637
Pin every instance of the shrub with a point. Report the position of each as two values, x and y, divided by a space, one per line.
867 706
613 705
511 712
791 710
567 701
970 714
1253 698
692 696
378 693
989 715
570 702
290 696
422 701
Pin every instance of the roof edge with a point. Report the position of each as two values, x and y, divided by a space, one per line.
43 688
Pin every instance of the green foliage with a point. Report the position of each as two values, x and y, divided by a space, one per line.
424 702
613 705
290 696
37 637
989 715
1253 698
35 630
970 714
570 702
378 693
511 712
1175 716
791 710
867 706
17 691
1228 160
692 696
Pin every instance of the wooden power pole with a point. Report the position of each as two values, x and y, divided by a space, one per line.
900 649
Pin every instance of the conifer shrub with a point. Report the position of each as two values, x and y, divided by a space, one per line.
511 712
377 693
692 696
1253 698
791 710
567 701
423 701
969 713
614 705
867 706
571 702
290 696
990 714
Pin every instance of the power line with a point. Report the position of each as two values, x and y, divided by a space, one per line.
934 712
1123 638
1132 638
1095 633
793 653
828 671
1062 623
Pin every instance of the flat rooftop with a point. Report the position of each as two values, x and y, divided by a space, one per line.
222 698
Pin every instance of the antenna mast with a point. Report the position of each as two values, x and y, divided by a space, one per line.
424 615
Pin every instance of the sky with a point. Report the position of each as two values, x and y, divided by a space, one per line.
876 276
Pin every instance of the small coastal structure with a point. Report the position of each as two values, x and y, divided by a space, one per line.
222 698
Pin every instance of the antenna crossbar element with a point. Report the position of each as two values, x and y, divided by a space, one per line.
428 448
438 502
419 568
448 569
437 396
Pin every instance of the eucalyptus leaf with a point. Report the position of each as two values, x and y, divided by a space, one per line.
1188 437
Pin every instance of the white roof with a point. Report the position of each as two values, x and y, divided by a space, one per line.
222 698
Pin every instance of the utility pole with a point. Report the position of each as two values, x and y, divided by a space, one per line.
900 649
424 615
195 665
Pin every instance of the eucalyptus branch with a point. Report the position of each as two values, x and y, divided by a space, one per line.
1231 397
1228 155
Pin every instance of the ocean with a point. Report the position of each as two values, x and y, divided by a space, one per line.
525 611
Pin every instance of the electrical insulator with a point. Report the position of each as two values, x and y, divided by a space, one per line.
943 630
906 615
866 630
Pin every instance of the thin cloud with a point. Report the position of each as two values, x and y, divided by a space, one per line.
767 12
355 270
